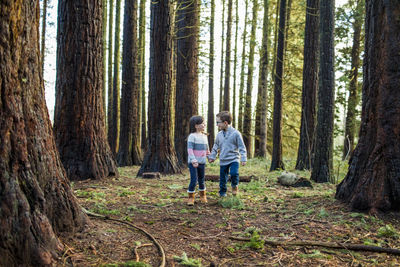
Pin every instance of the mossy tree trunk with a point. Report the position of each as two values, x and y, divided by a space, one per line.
142 63
36 201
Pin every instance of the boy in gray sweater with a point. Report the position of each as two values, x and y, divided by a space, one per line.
231 149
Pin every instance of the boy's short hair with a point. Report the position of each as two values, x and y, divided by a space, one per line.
225 116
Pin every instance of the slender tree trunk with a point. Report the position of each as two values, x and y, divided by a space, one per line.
234 103
322 163
353 99
242 74
221 76
210 114
187 87
373 179
104 34
43 37
36 201
160 155
247 111
79 116
226 104
260 140
276 162
110 72
113 135
310 86
129 152
142 52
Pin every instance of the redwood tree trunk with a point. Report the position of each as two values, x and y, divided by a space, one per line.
160 155
79 115
210 114
276 161
227 89
310 86
373 180
36 201
187 85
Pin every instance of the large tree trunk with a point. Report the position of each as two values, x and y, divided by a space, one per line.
310 86
210 114
110 73
260 133
104 34
249 86
242 74
160 155
373 180
323 155
187 81
276 162
353 100
226 103
79 116
142 44
221 74
36 201
129 152
43 35
235 60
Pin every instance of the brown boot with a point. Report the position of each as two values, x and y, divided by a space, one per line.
203 196
235 190
190 200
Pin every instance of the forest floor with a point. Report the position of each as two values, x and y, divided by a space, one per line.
225 232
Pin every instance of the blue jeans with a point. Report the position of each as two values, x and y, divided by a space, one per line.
197 174
233 169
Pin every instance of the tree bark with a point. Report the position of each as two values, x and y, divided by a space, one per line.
235 60
226 103
187 81
43 36
373 179
79 116
36 201
160 155
260 133
104 34
142 50
129 152
276 162
322 162
242 74
310 86
210 114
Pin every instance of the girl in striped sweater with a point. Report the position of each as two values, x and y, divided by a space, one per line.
198 150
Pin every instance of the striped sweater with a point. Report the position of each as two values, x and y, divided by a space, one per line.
198 149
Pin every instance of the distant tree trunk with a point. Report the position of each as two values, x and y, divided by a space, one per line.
288 13
276 162
322 163
249 85
210 114
36 201
160 155
260 140
129 152
226 104
113 135
187 81
234 103
310 85
353 100
110 72
43 36
242 73
142 52
79 116
221 76
104 34
373 180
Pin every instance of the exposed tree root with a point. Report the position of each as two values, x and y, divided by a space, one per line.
327 245
158 245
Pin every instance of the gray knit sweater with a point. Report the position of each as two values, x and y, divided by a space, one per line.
230 145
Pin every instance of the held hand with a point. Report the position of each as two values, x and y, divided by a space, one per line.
243 163
211 160
195 164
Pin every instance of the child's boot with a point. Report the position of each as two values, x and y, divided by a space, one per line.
190 200
235 190
203 196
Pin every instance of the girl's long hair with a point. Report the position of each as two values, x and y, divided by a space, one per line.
195 120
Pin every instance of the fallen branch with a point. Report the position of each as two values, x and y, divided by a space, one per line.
158 245
327 245
136 248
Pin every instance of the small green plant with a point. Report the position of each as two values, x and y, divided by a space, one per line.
125 193
388 231
323 213
186 261
316 254
297 195
255 242
196 246
127 264
231 203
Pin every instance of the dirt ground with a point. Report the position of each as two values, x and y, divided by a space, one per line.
224 232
